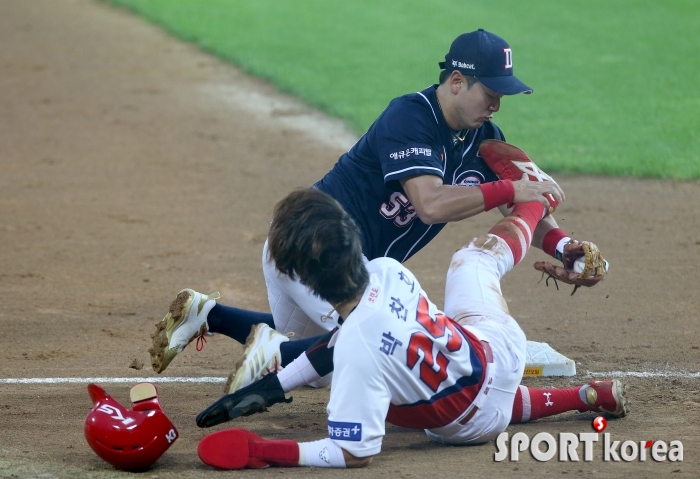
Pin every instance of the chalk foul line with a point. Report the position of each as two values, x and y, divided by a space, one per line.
204 379
645 374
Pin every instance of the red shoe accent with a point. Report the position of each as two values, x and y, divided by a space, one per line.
607 397
510 163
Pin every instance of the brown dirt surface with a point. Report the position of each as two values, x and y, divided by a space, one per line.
132 167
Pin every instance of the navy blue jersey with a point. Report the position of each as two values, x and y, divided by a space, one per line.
410 137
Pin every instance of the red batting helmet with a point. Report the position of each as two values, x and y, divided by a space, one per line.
129 440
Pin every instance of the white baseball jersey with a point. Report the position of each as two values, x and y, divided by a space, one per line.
398 358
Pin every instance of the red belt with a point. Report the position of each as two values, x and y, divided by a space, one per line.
488 353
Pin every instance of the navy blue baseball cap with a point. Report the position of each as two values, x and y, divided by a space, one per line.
488 58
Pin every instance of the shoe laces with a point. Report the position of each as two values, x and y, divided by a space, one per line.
201 341
275 368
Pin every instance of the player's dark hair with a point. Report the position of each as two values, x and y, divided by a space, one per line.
313 237
445 74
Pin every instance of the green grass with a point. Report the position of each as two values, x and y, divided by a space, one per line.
615 80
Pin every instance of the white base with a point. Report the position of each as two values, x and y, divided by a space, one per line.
543 360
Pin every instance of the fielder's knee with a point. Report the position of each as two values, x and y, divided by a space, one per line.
485 241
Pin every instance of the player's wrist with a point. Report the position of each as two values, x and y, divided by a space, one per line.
497 193
554 241
321 453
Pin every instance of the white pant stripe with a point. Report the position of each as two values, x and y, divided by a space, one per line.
523 229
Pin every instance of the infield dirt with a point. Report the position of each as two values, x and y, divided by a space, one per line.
132 167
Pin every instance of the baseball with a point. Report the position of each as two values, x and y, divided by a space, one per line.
579 264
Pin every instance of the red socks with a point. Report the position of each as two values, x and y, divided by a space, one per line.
551 240
531 404
517 228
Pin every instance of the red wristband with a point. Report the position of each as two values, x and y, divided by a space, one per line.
497 193
551 240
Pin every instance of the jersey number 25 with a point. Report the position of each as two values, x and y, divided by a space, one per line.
433 367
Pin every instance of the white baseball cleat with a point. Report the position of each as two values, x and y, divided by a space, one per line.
261 356
186 321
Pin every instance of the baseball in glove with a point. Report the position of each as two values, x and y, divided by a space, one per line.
582 265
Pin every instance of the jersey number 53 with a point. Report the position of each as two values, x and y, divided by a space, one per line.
391 209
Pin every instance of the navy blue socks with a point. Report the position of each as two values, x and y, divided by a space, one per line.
236 323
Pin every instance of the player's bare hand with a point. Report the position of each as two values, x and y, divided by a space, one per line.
527 191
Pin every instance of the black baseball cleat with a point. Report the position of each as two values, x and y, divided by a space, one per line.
254 398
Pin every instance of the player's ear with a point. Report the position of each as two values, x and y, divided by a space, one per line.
456 82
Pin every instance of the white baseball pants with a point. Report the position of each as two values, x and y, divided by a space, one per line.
473 298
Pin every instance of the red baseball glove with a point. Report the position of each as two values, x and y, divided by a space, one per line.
582 265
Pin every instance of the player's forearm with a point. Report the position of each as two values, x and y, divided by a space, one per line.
437 203
451 203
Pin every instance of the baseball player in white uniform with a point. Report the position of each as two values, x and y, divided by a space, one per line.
397 357
416 169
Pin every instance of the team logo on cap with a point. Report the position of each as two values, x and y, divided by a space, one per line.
509 58
466 66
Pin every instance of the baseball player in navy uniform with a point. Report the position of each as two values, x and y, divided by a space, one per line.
398 358
404 179
416 169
